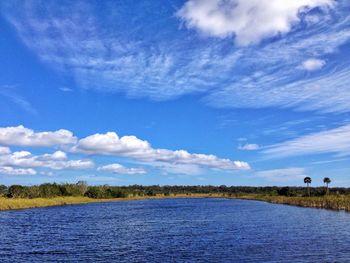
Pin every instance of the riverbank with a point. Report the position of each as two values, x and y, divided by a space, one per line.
23 203
336 202
341 202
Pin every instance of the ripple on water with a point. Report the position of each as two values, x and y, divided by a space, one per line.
175 230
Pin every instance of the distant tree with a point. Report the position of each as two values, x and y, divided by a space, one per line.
327 181
3 190
51 190
284 191
307 181
32 192
94 192
150 192
16 191
82 186
78 189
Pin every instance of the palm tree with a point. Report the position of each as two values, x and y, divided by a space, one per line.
327 181
307 181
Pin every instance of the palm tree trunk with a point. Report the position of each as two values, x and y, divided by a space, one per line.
308 189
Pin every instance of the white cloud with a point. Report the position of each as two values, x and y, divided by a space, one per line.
336 141
102 60
313 64
8 170
267 90
120 169
249 21
58 155
110 143
179 169
4 150
282 175
116 61
57 161
21 136
103 144
65 89
97 178
132 147
47 173
249 147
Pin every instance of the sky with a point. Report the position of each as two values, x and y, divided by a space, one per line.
175 92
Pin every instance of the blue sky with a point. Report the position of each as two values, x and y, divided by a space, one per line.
215 92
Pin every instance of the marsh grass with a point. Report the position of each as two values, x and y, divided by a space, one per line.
333 202
21 203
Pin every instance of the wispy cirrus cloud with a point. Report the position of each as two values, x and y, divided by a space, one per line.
282 175
334 141
175 62
109 61
8 92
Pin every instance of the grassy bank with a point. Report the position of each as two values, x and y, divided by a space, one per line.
22 203
340 202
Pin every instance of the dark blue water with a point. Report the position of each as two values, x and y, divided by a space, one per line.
175 230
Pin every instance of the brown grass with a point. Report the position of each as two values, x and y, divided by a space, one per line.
341 202
333 202
22 203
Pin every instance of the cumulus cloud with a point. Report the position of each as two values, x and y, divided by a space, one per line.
132 147
249 147
4 150
21 136
57 161
313 64
336 141
249 21
8 170
110 143
103 144
282 175
120 169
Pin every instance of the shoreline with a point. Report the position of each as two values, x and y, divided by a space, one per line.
8 204
335 203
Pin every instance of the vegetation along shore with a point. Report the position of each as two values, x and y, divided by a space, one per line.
19 197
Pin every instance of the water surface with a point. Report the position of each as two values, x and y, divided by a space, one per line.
175 230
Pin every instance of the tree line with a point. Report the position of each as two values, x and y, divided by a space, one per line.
308 180
81 188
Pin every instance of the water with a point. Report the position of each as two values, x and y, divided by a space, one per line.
175 230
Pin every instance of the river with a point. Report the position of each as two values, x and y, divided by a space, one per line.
175 230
